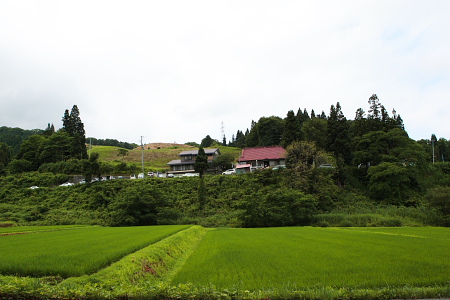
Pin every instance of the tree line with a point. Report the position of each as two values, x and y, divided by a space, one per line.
62 150
331 158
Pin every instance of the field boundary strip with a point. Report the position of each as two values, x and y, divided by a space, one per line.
385 233
43 230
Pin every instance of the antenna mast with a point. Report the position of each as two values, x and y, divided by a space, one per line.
222 130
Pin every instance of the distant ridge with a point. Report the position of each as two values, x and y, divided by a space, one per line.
163 145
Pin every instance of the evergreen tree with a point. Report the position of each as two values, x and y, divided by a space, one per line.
338 138
79 134
305 115
359 126
75 128
291 131
252 136
302 116
374 118
232 143
201 162
323 115
49 130
240 139
67 123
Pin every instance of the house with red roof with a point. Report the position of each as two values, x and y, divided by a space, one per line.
265 157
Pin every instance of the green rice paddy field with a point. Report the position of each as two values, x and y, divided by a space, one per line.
74 252
281 258
285 259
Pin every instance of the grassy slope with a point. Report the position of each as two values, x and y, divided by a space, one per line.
154 159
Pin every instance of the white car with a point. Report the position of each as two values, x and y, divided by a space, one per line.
132 176
229 172
141 175
34 187
66 184
191 174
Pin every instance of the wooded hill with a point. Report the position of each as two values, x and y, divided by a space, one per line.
375 164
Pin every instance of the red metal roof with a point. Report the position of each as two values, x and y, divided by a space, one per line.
243 166
263 153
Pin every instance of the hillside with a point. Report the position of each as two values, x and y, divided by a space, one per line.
156 155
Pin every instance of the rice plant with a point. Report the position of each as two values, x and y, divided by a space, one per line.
304 257
75 252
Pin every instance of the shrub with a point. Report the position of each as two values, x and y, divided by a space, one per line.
390 223
346 223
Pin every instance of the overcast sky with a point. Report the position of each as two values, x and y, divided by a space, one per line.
173 71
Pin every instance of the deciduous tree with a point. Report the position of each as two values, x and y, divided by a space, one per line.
206 142
122 152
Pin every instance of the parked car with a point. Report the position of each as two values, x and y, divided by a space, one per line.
141 175
191 174
326 166
34 187
150 174
229 172
132 176
279 167
66 184
169 175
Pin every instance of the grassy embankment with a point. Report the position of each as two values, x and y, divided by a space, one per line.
275 263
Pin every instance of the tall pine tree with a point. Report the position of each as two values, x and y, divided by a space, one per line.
75 128
291 132
338 139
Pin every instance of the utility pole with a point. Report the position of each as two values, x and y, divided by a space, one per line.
142 145
90 147
433 140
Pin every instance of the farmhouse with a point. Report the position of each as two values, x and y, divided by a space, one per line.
186 162
265 157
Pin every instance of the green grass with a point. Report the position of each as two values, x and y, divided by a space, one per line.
75 252
29 229
267 263
154 159
297 258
